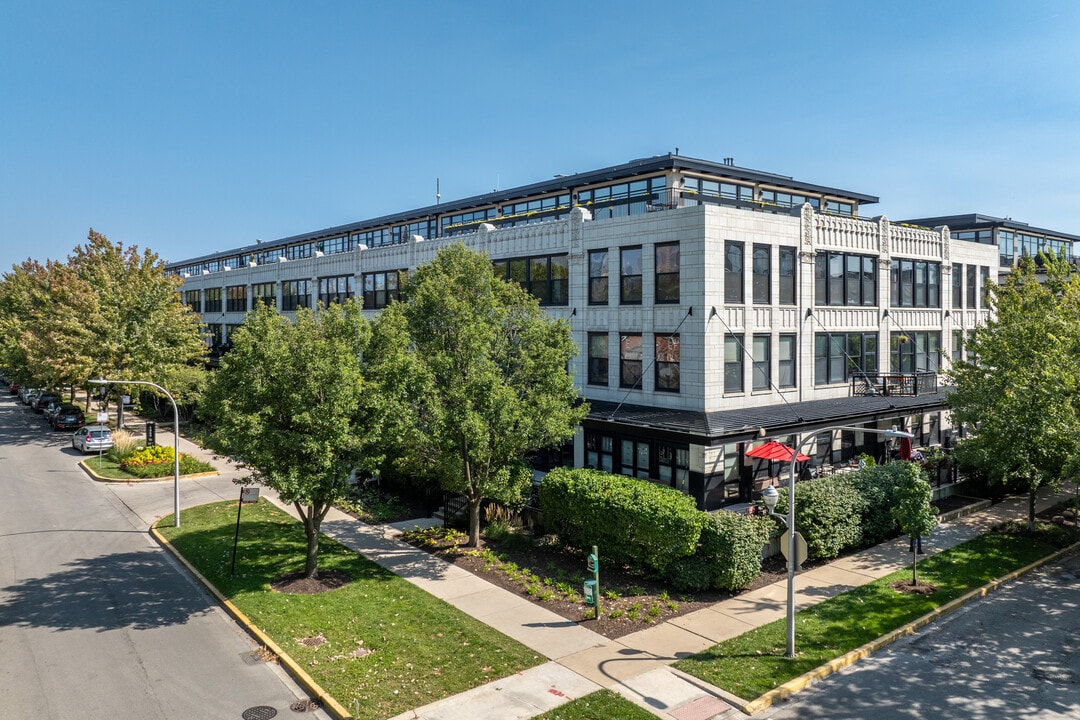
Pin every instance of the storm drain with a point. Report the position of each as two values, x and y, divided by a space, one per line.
304 706
259 712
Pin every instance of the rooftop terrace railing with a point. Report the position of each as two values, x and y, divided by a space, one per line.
886 384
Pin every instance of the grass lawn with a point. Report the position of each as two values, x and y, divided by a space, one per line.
754 663
106 468
600 705
422 649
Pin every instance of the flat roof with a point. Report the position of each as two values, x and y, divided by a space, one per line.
561 183
976 221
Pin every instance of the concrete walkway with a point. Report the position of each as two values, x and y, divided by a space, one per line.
638 665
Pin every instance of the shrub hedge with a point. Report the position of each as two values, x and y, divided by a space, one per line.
634 523
157 461
728 555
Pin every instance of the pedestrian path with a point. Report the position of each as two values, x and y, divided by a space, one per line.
580 661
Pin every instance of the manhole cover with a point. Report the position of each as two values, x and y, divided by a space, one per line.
259 712
304 706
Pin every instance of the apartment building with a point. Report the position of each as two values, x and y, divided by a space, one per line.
713 306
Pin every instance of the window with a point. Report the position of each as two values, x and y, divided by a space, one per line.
1006 248
786 276
295 294
972 285
839 356
733 364
762 375
733 272
957 345
984 296
334 245
630 287
336 289
673 465
598 359
835 207
236 298
599 451
958 285
635 197
598 277
844 279
630 360
667 273
634 458
545 277
788 358
265 293
193 299
915 283
299 252
667 363
214 334
786 199
914 351
762 269
382 288
213 300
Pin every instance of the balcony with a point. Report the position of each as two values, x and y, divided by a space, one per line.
885 384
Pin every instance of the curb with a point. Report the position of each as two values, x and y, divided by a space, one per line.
306 681
794 685
94 476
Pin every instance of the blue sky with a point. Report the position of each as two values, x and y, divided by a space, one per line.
191 127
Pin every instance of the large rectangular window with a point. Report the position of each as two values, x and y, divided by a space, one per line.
958 285
630 275
733 364
667 363
634 458
213 300
382 288
957 345
762 375
336 289
915 283
761 281
598 358
733 272
630 360
599 451
545 277
236 298
667 273
786 276
914 351
673 465
598 277
265 293
972 286
839 356
984 296
295 294
788 360
844 279
193 299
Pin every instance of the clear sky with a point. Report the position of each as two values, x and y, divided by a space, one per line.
197 126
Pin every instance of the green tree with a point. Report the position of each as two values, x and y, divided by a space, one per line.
488 378
1018 390
913 511
291 403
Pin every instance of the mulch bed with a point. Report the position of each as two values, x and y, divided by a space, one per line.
297 584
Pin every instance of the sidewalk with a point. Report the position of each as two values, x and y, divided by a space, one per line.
580 661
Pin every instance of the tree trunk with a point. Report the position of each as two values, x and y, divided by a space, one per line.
474 519
914 567
1031 510
312 520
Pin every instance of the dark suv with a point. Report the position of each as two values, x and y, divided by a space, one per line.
42 401
68 417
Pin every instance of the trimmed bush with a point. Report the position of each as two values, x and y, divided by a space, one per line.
728 555
828 512
877 487
632 522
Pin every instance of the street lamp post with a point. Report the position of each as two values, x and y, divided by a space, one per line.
770 499
176 438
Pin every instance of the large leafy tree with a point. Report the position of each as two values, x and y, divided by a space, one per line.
292 404
1018 390
488 375
109 310
913 511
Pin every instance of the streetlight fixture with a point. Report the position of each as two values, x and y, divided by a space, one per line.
176 437
770 496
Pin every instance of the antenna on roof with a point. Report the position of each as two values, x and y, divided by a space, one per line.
438 195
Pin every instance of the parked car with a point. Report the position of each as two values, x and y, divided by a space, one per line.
90 438
25 393
52 408
67 417
14 388
43 401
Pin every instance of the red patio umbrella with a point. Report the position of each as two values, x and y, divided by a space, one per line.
905 448
774 450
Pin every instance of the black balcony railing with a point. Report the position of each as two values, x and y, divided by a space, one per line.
919 383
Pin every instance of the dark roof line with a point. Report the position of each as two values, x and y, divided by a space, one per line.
974 221
622 171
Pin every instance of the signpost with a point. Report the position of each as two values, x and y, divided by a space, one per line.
592 587
247 495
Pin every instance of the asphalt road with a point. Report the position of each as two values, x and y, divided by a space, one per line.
1013 654
96 620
